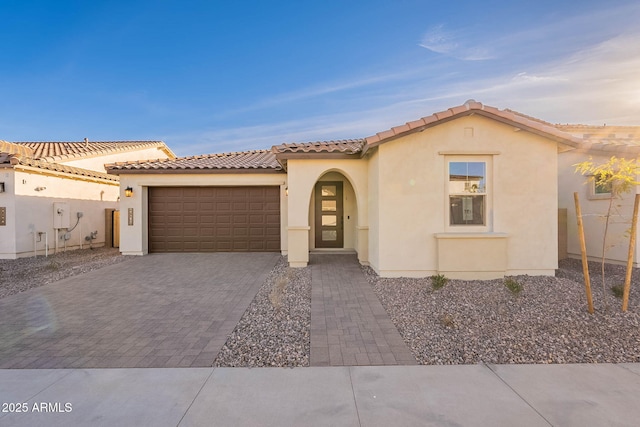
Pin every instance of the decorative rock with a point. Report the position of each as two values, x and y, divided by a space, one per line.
469 322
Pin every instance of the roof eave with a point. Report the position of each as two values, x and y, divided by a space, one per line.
377 140
195 171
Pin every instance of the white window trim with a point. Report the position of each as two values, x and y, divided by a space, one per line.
488 214
592 195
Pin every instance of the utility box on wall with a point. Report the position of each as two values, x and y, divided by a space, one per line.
61 215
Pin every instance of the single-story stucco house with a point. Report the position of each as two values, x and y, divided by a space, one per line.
470 192
599 144
55 195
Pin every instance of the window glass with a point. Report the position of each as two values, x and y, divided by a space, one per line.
602 188
467 193
329 205
467 177
329 220
329 235
329 190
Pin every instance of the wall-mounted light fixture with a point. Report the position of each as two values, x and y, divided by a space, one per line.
128 192
286 191
1 187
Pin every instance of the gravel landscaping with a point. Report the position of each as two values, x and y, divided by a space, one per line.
274 331
19 275
468 322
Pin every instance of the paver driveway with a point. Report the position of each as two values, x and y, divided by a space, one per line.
160 310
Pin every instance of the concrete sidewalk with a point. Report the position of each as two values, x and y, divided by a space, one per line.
463 395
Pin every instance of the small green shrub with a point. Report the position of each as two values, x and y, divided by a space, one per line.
513 286
438 281
617 290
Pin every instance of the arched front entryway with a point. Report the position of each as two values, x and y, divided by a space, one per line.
303 176
333 214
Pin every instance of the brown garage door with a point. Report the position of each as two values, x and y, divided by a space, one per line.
214 219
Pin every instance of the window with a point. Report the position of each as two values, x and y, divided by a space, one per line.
467 193
604 188
599 190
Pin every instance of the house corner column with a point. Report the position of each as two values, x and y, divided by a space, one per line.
298 242
363 245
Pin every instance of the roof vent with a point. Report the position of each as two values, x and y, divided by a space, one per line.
86 142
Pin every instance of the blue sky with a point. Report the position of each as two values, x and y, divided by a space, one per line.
218 76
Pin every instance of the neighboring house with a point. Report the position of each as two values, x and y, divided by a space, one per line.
53 195
599 143
470 192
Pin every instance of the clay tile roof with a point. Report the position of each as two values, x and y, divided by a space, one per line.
605 138
471 107
344 146
57 167
256 160
12 149
54 151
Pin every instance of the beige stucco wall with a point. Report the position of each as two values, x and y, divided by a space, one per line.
134 238
593 212
302 177
97 163
373 209
521 199
31 211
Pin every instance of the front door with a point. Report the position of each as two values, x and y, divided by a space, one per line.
328 211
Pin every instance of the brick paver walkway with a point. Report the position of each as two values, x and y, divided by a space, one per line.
160 310
349 326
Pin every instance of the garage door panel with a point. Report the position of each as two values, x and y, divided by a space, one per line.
272 220
240 232
240 219
222 219
223 206
207 231
272 231
223 245
190 219
240 246
188 191
209 219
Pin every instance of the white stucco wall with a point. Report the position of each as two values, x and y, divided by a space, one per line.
8 201
34 195
96 163
593 212
134 238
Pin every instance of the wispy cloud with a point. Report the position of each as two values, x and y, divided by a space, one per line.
321 90
455 43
